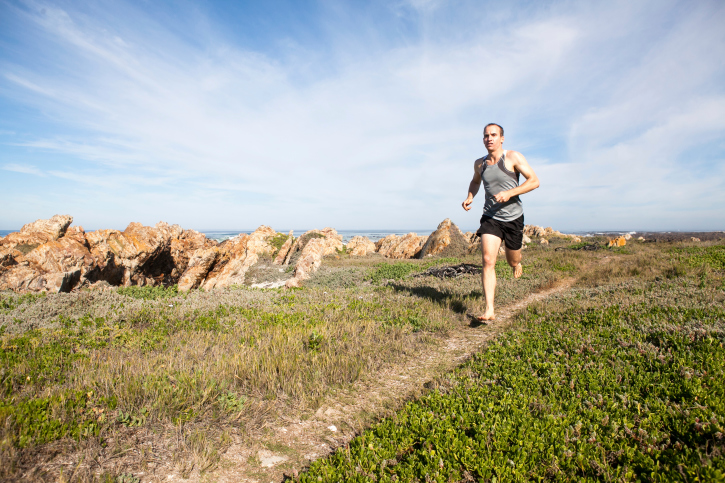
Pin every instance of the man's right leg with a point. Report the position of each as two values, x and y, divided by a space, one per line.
489 248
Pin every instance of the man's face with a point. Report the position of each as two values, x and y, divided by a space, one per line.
492 138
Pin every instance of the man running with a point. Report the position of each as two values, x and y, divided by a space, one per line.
503 215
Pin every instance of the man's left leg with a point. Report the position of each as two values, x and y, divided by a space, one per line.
513 257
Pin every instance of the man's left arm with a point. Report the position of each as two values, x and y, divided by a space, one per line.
522 166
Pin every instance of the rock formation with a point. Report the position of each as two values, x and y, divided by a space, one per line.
284 249
360 246
446 241
309 261
52 255
617 242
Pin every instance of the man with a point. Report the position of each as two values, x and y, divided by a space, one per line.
503 215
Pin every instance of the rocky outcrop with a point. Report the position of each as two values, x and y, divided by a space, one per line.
548 232
409 246
198 268
360 246
309 261
52 255
406 246
40 257
284 249
447 241
236 256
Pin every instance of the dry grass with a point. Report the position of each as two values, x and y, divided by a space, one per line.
135 385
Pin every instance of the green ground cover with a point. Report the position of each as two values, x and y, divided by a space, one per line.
621 383
81 372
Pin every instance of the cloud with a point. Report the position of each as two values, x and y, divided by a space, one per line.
23 168
376 133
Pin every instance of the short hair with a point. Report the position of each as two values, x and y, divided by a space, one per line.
500 129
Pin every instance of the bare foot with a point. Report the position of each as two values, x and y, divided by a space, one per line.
518 270
485 317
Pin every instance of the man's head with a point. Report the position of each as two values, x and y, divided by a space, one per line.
492 137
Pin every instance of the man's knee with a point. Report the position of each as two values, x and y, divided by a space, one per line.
489 260
513 257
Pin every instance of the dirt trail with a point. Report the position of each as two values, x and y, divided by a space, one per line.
288 448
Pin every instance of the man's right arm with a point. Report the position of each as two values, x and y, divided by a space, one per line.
473 186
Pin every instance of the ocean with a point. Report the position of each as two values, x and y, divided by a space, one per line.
375 235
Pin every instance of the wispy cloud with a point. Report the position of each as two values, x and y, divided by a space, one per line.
23 168
379 133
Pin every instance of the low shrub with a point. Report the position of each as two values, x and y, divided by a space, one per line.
617 393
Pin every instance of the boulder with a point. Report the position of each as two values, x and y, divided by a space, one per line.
284 249
526 239
386 244
231 265
641 238
308 262
332 243
627 236
617 242
409 246
183 247
447 241
140 255
533 230
45 256
360 246
198 268
695 239
38 232
544 241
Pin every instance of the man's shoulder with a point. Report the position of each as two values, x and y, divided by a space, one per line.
479 161
515 156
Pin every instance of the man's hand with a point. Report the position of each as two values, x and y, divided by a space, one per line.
467 203
503 197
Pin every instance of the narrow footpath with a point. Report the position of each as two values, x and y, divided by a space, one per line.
287 448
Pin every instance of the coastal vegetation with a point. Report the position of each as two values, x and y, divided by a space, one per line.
619 377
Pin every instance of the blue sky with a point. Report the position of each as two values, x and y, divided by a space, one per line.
229 115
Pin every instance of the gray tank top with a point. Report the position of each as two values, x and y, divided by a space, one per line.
497 178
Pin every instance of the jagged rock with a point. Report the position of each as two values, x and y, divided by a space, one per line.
332 243
533 230
284 249
544 241
198 267
526 239
360 246
38 232
386 244
140 255
41 258
447 241
309 262
184 247
236 256
408 247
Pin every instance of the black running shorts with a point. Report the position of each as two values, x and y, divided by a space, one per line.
511 232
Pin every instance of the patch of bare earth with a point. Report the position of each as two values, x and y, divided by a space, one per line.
284 449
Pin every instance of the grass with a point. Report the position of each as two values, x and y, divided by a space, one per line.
615 392
84 374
